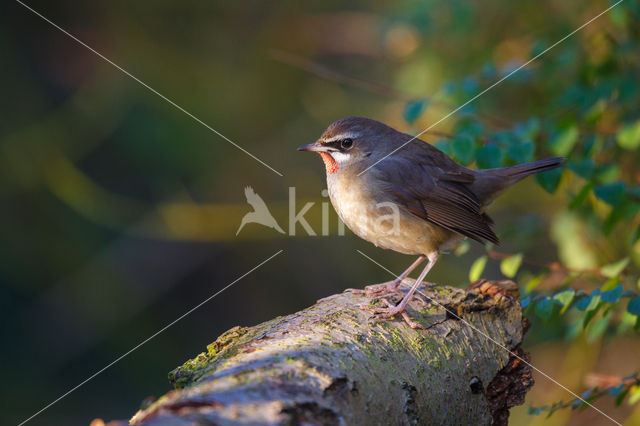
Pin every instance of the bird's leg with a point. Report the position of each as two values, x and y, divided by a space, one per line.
400 307
388 287
405 316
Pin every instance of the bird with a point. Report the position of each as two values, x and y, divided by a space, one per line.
403 194
260 213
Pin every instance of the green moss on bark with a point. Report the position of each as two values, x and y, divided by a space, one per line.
334 360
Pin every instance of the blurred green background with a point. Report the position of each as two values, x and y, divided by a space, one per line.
120 211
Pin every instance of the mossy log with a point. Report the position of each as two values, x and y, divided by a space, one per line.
334 363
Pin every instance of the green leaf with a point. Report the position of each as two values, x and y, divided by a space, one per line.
626 323
610 284
629 136
462 248
619 17
623 211
535 411
510 265
635 236
590 301
573 329
595 112
608 173
444 146
554 407
477 268
613 295
521 152
489 157
473 128
634 395
550 180
564 142
464 148
583 303
527 131
544 308
615 390
633 307
597 329
593 145
611 193
583 168
533 283
594 303
614 269
581 196
590 314
620 398
470 84
414 109
564 298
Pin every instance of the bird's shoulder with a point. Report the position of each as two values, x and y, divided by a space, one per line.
424 167
435 188
434 161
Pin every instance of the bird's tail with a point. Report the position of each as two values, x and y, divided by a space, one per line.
491 182
515 173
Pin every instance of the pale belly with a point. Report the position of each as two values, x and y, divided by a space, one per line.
387 226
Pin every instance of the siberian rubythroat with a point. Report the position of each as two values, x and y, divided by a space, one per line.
408 196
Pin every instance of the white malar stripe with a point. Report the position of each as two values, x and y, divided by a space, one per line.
340 157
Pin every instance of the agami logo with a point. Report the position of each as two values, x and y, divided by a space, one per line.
260 213
386 222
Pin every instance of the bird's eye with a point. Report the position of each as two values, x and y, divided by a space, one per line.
346 143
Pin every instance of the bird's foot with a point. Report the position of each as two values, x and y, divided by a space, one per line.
383 290
390 311
379 290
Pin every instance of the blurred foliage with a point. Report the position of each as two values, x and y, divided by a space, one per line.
120 211
627 388
592 89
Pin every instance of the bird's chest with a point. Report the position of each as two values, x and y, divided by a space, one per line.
354 203
379 220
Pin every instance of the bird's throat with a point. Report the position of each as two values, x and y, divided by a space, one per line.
329 163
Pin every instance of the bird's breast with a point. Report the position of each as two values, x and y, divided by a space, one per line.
364 209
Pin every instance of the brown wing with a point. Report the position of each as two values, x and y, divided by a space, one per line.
437 189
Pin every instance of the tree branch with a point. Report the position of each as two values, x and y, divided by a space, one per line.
333 363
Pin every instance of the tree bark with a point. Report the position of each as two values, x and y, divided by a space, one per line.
334 363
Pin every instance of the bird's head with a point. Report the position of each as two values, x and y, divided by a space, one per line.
353 142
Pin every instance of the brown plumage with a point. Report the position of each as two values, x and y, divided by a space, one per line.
431 200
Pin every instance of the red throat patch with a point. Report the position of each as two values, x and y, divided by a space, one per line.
329 163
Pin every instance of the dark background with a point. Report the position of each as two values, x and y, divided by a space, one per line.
119 212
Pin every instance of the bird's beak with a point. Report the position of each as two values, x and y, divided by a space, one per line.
313 147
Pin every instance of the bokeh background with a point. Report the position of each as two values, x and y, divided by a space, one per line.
119 212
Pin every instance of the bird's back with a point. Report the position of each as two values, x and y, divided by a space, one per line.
438 200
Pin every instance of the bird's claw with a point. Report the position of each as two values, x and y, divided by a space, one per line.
390 311
385 313
378 290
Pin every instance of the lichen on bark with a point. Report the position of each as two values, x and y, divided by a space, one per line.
333 363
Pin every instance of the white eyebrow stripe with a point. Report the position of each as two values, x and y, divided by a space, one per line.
341 136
